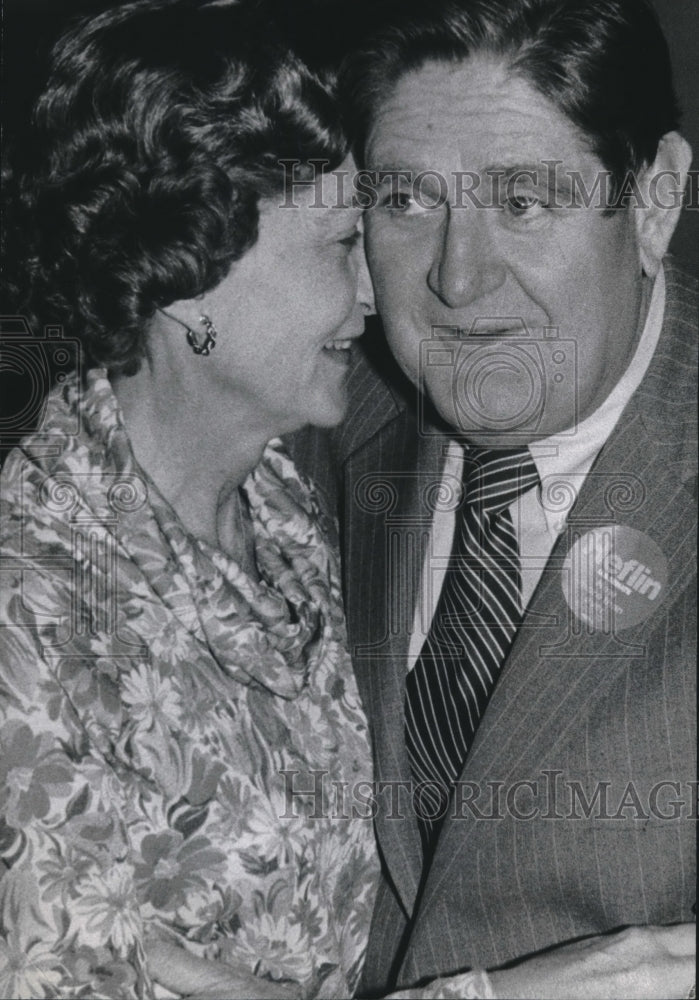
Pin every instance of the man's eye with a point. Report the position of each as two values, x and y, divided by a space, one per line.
524 204
401 203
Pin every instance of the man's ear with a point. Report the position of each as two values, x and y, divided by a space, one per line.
662 185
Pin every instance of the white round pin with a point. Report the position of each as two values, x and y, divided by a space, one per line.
613 577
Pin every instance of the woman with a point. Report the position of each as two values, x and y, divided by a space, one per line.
175 676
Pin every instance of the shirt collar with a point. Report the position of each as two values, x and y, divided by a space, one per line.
565 459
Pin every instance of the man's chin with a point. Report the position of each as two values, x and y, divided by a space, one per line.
491 431
497 439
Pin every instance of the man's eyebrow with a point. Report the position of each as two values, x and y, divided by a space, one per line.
543 172
508 169
398 165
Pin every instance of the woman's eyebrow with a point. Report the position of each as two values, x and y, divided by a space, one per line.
337 219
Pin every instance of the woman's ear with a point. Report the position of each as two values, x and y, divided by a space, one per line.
191 316
662 187
187 312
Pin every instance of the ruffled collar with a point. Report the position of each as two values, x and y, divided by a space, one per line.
271 632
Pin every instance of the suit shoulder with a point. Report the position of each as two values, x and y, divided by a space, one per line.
378 392
667 396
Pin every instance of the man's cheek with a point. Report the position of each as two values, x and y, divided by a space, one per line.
388 292
380 263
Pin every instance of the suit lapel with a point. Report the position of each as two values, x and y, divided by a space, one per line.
556 665
389 519
638 481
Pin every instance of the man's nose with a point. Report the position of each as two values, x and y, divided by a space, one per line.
466 265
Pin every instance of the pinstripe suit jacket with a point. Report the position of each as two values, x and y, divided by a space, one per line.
612 712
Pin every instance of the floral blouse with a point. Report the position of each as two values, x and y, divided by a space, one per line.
174 734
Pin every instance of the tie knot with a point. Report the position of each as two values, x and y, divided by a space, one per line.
494 477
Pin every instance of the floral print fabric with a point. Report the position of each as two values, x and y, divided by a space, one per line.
172 730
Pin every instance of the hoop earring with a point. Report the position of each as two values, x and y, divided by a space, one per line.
209 340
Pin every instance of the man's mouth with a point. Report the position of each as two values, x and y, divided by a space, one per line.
499 331
505 327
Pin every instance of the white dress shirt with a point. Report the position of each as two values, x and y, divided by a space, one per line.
562 461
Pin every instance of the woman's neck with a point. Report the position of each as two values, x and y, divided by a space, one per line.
192 438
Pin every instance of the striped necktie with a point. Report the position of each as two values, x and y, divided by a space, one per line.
477 615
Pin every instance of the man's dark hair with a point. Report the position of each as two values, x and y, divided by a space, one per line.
159 129
603 63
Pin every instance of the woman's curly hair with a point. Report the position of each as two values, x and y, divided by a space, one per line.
160 128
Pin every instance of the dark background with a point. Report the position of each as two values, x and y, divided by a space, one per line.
30 25
680 21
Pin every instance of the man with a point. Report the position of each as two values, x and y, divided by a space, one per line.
530 676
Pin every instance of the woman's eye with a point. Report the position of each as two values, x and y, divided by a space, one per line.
351 240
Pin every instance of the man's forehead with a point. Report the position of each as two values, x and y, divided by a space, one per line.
443 89
473 114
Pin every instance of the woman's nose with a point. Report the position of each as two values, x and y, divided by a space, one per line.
365 287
